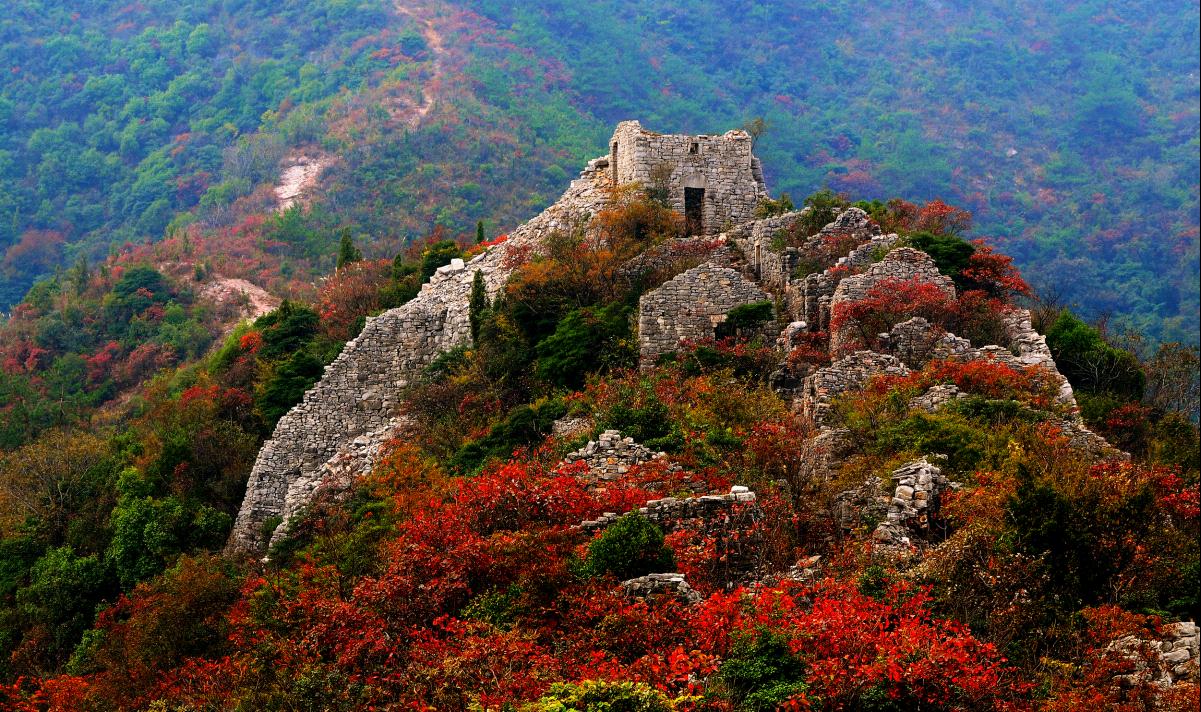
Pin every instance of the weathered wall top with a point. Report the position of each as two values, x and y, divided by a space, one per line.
715 181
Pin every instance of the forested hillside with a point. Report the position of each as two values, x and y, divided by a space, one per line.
1070 131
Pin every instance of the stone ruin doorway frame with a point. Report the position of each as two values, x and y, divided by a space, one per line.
694 205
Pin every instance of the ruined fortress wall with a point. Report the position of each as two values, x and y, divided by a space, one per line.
690 306
723 166
357 395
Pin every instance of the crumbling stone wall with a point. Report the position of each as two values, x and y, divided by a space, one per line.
350 411
730 519
357 395
758 240
610 456
902 264
1173 658
723 166
905 514
690 306
849 373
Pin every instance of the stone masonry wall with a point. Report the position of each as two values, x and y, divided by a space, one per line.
722 165
902 264
338 427
690 306
357 394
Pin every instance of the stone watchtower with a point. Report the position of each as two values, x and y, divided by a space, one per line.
714 181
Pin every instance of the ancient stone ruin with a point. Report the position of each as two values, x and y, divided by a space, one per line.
714 180
690 306
335 433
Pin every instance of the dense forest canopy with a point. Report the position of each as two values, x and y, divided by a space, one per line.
1071 131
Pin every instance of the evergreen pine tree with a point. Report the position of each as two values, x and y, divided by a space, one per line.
478 304
347 252
479 231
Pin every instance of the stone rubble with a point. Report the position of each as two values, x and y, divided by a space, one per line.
611 456
1174 658
658 584
906 516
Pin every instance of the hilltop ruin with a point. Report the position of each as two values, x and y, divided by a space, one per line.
716 183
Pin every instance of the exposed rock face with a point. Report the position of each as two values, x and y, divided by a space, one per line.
721 166
351 409
690 306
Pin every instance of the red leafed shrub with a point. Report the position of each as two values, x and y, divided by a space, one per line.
855 647
994 273
810 348
100 363
251 342
886 304
992 379
350 294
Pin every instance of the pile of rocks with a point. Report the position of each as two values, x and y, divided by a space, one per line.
1173 658
658 584
611 456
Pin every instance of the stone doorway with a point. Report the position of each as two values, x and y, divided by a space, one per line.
694 210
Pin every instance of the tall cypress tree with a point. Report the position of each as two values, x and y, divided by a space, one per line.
479 231
478 305
347 252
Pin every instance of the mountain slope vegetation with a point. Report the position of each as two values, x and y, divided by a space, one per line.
1070 131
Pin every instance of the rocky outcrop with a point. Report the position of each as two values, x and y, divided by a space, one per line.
689 307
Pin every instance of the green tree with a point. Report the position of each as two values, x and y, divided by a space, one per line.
479 231
632 546
478 305
61 597
347 252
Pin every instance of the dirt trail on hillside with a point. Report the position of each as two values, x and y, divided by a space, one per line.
298 179
245 299
303 170
405 109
